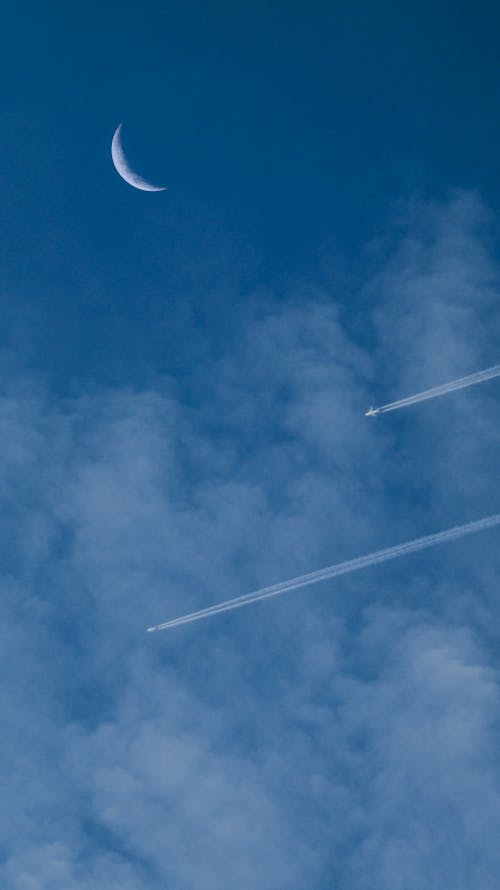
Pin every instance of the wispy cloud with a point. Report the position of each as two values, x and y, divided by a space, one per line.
347 739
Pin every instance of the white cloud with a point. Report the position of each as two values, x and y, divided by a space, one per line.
341 736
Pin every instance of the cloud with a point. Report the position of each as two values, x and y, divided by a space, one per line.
344 737
431 783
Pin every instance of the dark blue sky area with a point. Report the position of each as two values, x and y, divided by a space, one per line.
285 132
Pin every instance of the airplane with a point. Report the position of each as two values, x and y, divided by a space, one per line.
372 412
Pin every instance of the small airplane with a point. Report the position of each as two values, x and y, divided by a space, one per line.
372 412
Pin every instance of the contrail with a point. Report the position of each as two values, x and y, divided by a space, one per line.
461 383
341 568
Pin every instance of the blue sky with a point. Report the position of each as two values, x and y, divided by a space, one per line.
185 376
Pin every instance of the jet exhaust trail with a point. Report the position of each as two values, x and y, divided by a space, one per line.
341 568
443 390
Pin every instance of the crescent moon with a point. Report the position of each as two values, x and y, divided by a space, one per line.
123 168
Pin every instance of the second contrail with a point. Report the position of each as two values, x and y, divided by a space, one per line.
443 390
341 568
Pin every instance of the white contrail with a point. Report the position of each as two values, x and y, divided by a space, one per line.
340 568
443 390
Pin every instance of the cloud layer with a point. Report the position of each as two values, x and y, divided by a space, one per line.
344 737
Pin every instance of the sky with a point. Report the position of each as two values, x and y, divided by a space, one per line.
184 380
